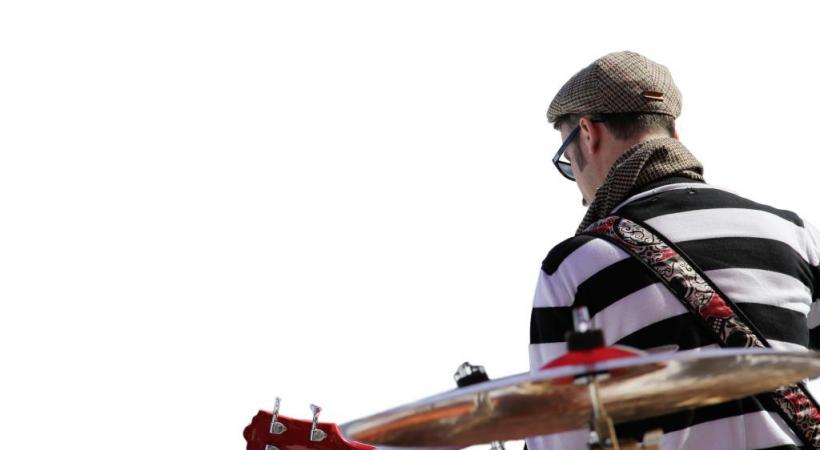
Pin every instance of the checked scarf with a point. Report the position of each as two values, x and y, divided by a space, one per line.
642 164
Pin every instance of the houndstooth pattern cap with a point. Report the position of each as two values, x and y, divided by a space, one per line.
617 83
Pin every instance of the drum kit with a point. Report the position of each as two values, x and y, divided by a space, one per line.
593 387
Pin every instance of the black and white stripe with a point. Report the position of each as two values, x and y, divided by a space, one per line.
765 259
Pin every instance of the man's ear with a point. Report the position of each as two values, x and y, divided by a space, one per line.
590 134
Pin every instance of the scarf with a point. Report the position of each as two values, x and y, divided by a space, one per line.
642 164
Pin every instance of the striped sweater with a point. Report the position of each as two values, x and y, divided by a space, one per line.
764 259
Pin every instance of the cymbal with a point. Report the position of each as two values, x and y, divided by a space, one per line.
548 401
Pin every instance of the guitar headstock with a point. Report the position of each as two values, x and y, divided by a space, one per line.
270 431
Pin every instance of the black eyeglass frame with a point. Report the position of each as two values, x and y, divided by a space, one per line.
565 168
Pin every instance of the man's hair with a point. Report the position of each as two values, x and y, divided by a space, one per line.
625 125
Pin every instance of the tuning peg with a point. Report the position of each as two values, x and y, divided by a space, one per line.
316 434
276 427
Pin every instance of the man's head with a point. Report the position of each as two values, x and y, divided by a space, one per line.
616 102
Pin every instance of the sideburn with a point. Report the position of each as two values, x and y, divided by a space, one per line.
578 158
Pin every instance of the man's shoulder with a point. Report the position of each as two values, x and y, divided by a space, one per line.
696 198
710 214
694 211
582 247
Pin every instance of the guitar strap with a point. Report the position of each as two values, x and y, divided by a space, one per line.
701 297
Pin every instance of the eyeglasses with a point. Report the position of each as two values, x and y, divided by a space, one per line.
564 166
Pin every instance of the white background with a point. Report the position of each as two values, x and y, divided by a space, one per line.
206 204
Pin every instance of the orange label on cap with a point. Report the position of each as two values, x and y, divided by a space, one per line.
652 95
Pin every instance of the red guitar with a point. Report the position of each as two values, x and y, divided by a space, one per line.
270 431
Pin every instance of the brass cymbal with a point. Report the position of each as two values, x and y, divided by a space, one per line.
550 402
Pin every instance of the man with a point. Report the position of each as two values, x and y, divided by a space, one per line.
617 121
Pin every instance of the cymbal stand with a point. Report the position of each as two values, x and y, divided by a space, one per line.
602 436
468 374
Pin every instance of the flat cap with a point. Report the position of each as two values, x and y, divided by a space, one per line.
619 82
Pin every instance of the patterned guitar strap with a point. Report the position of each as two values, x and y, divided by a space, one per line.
701 297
